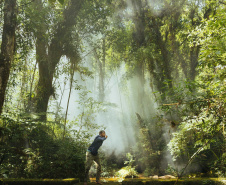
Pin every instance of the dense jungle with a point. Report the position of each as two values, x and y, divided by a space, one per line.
151 73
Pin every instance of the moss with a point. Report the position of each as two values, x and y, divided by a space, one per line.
198 181
131 182
39 181
104 183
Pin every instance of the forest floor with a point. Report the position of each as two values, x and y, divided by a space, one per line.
117 181
150 181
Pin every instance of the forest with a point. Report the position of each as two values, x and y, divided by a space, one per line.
151 73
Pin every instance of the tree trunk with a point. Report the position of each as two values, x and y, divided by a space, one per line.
166 72
139 20
44 88
7 47
194 54
103 71
101 65
48 62
69 96
139 41
30 102
159 67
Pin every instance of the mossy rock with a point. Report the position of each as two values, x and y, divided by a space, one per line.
39 181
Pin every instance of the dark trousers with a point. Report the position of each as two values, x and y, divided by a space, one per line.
89 160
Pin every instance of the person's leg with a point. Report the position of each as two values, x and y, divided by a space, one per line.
97 161
89 161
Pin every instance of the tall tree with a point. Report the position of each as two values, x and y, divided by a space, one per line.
64 41
7 46
48 55
101 67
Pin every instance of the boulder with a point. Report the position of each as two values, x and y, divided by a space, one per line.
167 177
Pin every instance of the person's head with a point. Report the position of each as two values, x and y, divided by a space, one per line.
102 133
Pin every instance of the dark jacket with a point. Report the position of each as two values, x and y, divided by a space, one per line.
98 141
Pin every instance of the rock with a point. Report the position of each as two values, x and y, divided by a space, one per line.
162 177
170 176
167 177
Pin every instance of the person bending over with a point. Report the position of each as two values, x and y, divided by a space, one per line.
92 155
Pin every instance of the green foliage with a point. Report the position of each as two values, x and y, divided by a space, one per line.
202 129
195 132
111 163
130 160
60 1
129 170
172 171
85 122
30 150
37 150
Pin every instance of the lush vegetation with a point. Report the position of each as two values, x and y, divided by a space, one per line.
168 58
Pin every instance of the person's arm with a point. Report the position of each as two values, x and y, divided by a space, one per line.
102 138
